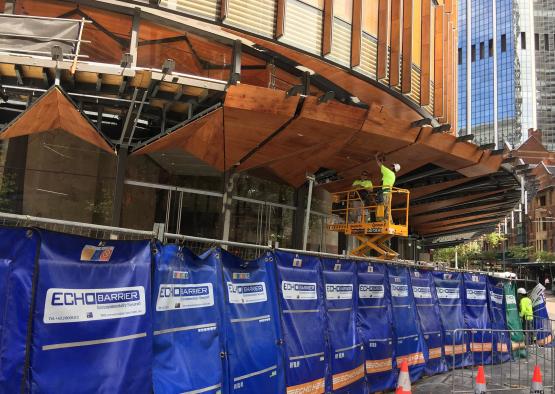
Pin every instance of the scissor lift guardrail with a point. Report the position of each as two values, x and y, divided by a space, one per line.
373 216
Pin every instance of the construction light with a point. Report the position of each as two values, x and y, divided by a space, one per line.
57 53
168 66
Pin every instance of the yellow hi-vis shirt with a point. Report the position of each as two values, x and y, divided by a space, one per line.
366 184
526 310
388 176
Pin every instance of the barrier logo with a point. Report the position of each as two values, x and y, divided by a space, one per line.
174 297
510 299
421 292
474 294
495 297
299 290
448 293
180 275
80 305
97 253
399 290
370 291
246 293
241 275
297 262
370 268
339 291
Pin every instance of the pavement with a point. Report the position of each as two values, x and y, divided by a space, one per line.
511 377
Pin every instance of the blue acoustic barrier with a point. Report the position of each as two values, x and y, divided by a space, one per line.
18 264
92 323
542 324
346 354
498 317
187 306
374 320
252 325
303 321
425 297
450 301
476 316
409 342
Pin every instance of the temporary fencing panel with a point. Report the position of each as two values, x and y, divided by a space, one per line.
303 317
252 321
410 344
346 354
425 297
476 316
542 324
448 288
501 340
514 324
92 321
374 317
18 253
187 322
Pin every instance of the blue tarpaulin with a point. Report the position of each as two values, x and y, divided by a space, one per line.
542 324
92 323
501 340
375 325
410 344
188 301
425 297
449 296
476 317
255 360
18 252
346 354
303 317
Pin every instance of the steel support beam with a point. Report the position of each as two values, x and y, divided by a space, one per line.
230 178
119 185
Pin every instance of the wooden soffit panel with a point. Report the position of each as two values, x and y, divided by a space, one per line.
251 115
54 111
468 219
432 206
430 217
443 229
318 124
455 155
488 164
203 138
436 187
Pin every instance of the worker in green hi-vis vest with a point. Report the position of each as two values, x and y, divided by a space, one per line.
388 181
526 312
364 188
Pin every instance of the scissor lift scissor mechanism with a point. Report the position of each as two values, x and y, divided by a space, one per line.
373 217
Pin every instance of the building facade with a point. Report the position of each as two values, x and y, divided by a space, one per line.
496 69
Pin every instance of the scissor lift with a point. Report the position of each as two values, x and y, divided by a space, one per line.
373 217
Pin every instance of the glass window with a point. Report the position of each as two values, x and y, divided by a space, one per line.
503 43
482 50
490 46
473 53
460 56
537 41
522 40
546 41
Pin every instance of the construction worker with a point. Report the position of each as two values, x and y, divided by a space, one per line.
388 181
526 311
365 187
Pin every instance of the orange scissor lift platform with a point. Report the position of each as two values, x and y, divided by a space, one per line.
373 217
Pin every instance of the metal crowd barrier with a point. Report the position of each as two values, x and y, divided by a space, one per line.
514 375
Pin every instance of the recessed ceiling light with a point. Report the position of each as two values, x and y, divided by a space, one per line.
300 135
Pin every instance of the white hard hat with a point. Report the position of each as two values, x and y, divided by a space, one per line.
396 167
521 290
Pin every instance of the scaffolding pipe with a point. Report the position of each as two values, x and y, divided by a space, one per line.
307 215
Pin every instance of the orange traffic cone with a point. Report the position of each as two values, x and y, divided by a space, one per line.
537 383
480 386
403 384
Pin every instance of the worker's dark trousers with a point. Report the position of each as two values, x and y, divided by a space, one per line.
528 326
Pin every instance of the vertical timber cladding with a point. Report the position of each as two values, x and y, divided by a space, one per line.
328 27
406 81
425 53
356 33
395 46
438 60
383 27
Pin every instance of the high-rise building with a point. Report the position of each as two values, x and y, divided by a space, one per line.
544 43
496 68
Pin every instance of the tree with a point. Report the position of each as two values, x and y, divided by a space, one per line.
494 239
519 252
